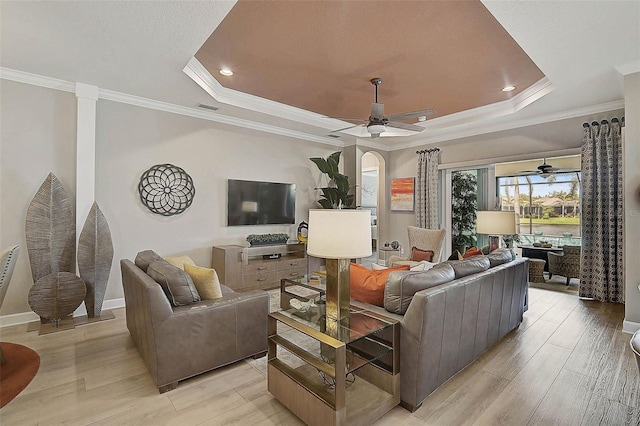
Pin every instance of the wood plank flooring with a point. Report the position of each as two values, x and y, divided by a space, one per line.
568 363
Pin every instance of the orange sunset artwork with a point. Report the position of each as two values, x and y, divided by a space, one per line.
402 194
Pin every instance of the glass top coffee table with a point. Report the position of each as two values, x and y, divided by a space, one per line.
303 289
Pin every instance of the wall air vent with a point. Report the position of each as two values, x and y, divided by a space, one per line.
209 107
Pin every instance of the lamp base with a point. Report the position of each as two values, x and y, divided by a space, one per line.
338 289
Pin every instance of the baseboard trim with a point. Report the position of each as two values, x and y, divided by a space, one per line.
630 327
27 317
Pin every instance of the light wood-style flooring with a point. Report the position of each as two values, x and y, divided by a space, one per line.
568 363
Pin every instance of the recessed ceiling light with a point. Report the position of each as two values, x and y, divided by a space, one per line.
226 71
504 89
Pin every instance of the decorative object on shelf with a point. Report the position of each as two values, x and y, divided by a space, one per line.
303 306
395 245
50 230
336 194
267 239
303 231
56 295
339 236
402 194
95 254
166 189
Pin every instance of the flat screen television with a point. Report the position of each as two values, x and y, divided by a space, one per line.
260 203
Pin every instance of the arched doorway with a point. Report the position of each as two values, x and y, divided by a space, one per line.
372 197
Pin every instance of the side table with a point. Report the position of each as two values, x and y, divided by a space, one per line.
343 373
385 253
536 270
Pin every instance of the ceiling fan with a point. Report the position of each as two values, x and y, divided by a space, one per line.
545 170
377 123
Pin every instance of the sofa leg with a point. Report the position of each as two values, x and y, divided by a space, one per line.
409 407
167 388
259 355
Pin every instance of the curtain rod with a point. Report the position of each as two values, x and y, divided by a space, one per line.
595 123
427 150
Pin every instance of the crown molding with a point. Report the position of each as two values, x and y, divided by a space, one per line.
111 95
37 80
463 131
201 76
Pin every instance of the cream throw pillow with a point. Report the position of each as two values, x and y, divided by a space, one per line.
419 266
180 261
206 281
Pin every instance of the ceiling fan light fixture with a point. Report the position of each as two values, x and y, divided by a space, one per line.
545 175
376 128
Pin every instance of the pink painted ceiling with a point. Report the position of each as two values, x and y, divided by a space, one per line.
320 55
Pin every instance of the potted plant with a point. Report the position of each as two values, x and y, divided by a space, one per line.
336 194
463 211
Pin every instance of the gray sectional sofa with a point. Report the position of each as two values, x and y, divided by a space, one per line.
177 342
450 315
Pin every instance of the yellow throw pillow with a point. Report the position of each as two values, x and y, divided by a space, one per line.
180 261
206 281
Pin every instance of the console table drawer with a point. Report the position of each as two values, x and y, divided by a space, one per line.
259 266
292 273
264 279
291 262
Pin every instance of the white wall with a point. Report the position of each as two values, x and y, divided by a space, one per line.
632 201
39 135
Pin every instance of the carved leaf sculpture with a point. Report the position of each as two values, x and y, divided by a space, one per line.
56 295
95 254
50 230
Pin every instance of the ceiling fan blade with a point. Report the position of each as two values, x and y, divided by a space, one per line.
377 111
359 120
405 126
405 115
345 128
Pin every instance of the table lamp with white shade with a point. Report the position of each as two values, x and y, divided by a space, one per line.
339 236
495 223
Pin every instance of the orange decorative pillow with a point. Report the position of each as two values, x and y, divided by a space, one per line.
418 255
473 251
367 285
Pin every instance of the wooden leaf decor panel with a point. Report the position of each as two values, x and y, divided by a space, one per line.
50 230
56 295
95 254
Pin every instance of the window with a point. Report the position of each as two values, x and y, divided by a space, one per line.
548 207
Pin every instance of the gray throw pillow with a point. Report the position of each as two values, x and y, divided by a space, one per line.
403 285
500 256
144 258
470 265
175 282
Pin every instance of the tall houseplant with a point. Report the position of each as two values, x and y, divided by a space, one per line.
464 202
336 194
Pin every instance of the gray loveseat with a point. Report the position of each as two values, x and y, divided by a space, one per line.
177 342
461 309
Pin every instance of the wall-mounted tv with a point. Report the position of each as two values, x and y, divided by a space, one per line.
260 203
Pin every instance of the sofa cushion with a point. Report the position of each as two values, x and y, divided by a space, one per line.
206 281
469 266
499 256
144 258
175 282
418 255
368 285
401 286
180 261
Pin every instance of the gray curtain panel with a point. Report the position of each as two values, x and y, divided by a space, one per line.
602 212
427 189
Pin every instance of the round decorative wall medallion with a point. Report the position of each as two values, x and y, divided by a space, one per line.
166 189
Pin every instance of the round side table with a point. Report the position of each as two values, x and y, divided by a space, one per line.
536 269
